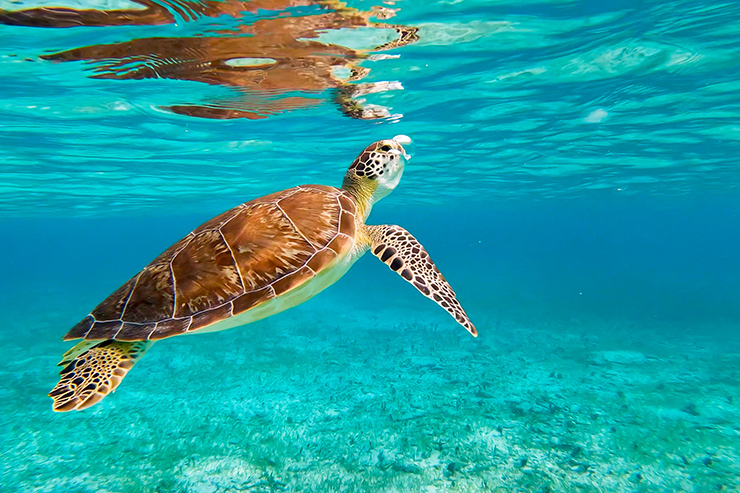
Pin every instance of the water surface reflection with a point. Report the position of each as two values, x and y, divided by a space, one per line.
273 57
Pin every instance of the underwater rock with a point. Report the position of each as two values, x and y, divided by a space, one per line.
669 414
579 468
424 361
519 407
690 408
217 474
618 357
406 467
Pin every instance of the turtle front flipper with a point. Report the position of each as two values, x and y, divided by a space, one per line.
95 372
397 248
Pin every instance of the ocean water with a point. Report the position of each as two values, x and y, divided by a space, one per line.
575 178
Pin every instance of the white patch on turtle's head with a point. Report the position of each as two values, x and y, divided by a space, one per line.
378 168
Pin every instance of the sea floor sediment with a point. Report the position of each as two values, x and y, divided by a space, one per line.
370 401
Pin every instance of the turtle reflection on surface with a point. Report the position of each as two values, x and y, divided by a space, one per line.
267 60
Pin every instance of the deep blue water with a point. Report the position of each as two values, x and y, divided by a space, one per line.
646 259
575 179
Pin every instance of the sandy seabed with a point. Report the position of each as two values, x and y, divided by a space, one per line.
323 399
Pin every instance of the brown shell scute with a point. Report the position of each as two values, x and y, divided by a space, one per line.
112 307
316 226
265 244
152 296
205 275
228 265
81 329
132 331
252 299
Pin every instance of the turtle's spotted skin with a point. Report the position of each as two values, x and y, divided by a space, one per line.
246 264
239 259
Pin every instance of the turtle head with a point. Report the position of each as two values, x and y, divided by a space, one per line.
376 171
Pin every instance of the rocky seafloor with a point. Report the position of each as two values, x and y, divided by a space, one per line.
327 399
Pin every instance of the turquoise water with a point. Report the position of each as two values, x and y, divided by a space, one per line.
575 178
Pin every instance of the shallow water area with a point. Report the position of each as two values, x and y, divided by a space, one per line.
574 178
399 407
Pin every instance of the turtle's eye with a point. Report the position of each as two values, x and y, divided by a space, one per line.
385 148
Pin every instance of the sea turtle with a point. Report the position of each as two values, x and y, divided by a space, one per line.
246 264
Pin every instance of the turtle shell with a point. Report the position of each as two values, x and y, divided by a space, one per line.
230 264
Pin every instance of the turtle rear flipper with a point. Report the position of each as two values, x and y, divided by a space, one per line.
95 373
